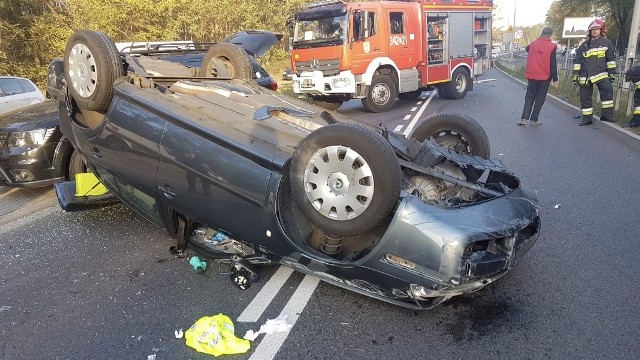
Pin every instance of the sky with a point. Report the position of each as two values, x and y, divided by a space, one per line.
527 12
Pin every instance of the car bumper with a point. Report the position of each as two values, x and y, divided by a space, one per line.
314 82
20 167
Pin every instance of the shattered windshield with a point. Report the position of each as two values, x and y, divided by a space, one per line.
320 31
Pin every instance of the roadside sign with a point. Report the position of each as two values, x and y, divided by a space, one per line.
576 27
518 34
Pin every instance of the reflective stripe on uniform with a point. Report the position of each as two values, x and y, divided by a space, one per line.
588 111
637 85
596 52
607 104
577 67
598 77
636 110
611 65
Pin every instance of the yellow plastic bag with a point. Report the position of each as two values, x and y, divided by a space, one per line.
214 335
88 184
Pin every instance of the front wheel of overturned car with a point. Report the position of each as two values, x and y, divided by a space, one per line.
226 60
92 63
345 178
456 132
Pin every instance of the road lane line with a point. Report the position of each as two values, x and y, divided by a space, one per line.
414 109
19 219
398 128
264 297
271 343
417 116
407 117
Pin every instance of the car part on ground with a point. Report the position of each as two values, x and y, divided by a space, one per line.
406 221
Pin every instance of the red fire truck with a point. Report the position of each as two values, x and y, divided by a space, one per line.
379 50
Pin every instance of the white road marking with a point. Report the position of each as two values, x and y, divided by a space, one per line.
257 306
28 219
419 102
271 343
398 128
407 117
418 114
414 109
485 80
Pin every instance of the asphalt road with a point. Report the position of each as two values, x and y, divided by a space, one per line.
101 284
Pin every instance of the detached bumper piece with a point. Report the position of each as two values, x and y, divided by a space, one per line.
69 200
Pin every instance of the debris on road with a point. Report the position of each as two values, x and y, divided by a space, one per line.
557 206
179 334
5 308
198 265
278 324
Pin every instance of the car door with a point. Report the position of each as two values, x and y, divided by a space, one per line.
125 155
210 179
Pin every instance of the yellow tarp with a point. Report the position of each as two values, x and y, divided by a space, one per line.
88 185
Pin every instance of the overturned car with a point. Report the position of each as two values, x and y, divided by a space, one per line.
245 174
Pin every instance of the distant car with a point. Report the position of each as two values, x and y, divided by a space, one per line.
287 74
17 92
33 151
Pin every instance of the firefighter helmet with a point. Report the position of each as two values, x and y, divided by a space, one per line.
597 24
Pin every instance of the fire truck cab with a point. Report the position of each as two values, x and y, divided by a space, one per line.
379 50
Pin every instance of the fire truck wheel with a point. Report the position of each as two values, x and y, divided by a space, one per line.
226 60
456 132
92 64
345 178
459 85
381 94
442 92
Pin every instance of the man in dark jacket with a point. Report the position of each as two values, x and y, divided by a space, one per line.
633 75
595 63
541 69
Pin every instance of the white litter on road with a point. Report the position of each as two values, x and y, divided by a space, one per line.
557 206
272 326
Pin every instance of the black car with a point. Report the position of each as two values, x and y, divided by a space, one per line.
243 173
33 150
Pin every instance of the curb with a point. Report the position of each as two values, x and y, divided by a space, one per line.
625 136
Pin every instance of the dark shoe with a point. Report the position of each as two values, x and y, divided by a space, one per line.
606 119
585 122
535 123
522 122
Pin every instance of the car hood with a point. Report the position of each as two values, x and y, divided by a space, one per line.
44 114
256 42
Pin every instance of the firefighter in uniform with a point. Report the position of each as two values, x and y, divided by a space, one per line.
595 64
633 75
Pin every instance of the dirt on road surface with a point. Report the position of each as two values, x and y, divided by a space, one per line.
16 203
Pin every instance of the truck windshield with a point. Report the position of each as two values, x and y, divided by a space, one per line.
309 33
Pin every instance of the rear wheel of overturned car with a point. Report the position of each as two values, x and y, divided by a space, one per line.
75 165
456 132
345 178
381 94
226 60
92 63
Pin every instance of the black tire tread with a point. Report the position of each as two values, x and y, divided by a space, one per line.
235 54
370 105
464 124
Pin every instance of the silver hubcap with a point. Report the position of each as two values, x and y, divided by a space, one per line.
380 94
82 70
461 83
338 183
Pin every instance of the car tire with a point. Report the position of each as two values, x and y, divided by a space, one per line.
92 63
75 165
381 94
345 198
456 132
233 59
459 85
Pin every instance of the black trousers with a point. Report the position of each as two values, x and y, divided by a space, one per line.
533 101
636 107
606 98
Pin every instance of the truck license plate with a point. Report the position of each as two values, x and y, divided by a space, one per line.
306 83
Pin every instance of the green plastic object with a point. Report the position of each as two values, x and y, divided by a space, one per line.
197 264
